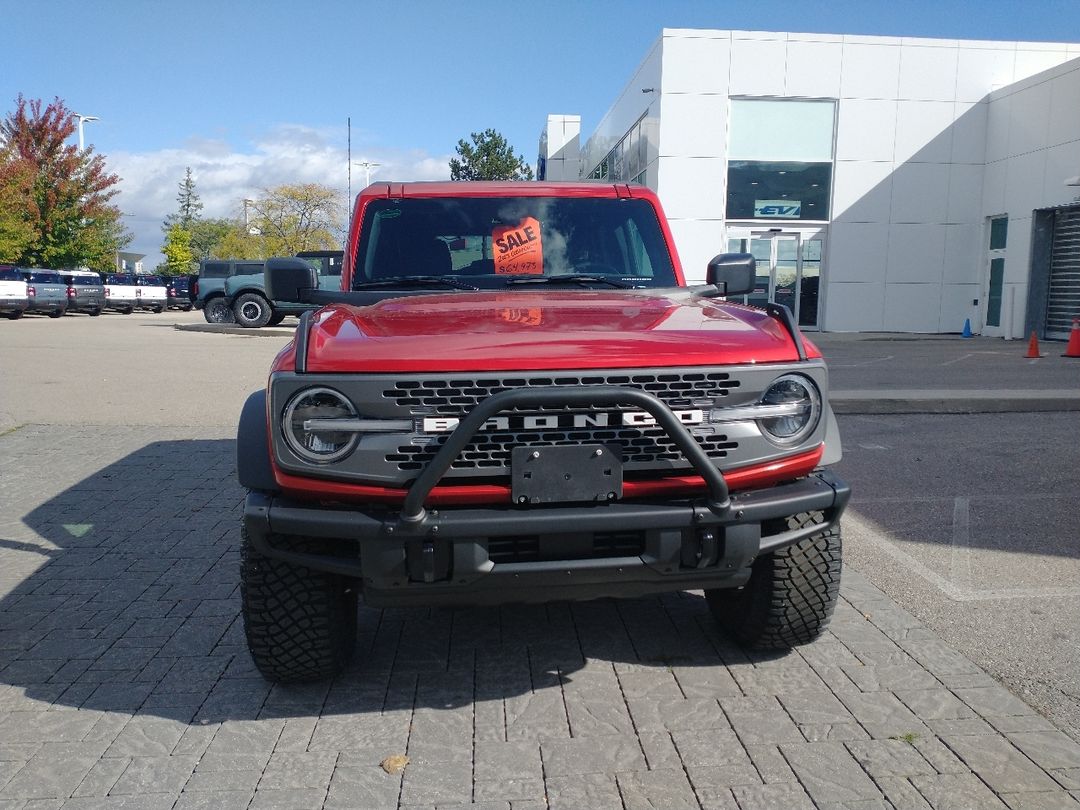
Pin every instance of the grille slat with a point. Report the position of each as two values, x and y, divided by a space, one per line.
644 447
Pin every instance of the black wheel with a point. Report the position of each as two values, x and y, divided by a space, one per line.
791 593
58 313
275 319
252 310
157 310
127 310
217 311
95 312
300 624
15 314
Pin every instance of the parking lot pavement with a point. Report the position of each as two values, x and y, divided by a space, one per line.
124 680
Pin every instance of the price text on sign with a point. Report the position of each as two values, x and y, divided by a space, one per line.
518 248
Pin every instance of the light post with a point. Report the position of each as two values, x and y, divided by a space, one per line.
367 166
247 202
83 118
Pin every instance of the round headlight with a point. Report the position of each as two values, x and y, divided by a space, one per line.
797 404
306 431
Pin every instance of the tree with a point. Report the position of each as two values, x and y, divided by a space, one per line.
188 205
488 157
16 234
206 235
292 218
64 192
179 258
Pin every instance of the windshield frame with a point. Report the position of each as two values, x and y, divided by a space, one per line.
628 228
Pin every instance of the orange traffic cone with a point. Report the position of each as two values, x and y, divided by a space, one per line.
1073 349
1033 347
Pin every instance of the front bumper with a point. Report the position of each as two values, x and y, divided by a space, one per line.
446 558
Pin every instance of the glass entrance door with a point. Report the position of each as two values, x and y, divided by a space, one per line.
788 271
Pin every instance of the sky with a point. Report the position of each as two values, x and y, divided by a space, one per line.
253 95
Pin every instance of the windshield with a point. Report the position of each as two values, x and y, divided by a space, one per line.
491 241
46 278
86 281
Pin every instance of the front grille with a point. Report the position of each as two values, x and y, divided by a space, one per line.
533 548
641 447
454 397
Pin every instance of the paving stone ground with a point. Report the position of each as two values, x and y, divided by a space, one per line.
125 682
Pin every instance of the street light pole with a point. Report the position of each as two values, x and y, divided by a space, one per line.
367 166
247 202
83 118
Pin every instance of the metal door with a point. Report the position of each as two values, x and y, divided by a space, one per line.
1063 298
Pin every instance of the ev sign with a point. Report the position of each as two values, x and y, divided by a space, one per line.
777 209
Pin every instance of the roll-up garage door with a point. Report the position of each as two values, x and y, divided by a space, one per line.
1063 300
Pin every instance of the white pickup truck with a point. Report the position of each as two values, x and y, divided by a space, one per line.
121 293
153 294
14 298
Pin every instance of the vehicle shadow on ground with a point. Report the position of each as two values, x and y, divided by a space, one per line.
137 610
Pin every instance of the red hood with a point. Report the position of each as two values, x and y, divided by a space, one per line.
506 331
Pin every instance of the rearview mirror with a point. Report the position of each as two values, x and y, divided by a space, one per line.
734 273
289 279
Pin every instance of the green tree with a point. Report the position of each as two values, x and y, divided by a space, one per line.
62 193
206 235
188 203
488 157
179 258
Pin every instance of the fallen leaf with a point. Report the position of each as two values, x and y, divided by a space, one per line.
395 763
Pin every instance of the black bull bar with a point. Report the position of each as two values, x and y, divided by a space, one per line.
600 396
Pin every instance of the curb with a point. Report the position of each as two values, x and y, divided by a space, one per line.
953 402
233 329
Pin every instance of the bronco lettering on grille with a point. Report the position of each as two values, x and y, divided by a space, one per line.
554 421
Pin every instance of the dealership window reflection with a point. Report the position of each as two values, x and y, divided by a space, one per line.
761 190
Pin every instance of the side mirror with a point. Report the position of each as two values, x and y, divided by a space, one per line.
733 273
289 279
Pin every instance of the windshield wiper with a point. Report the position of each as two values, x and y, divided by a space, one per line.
569 278
414 281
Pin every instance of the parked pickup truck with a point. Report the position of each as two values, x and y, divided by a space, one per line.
246 292
121 293
85 291
14 299
152 293
515 397
46 291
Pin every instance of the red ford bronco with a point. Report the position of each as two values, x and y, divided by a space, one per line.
515 397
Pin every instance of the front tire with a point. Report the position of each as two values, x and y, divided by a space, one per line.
15 314
276 318
252 311
791 594
217 311
300 623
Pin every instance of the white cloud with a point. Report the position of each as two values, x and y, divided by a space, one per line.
224 176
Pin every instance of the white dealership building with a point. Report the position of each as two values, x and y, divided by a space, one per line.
884 184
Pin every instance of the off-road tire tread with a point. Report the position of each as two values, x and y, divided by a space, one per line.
266 312
300 623
217 311
791 594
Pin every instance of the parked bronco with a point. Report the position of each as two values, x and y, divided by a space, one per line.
252 307
515 397
208 288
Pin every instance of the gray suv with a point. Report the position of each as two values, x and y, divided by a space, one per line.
46 290
85 291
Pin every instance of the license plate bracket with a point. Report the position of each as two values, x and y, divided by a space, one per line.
581 473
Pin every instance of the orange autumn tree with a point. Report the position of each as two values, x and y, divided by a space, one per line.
61 195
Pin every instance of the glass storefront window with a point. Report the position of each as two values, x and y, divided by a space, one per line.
759 190
781 129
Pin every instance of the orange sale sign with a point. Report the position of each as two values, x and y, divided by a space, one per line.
518 248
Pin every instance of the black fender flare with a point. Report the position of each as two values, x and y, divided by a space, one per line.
253 467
